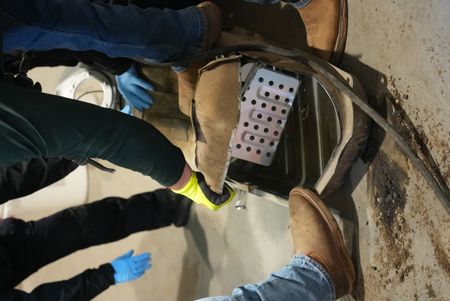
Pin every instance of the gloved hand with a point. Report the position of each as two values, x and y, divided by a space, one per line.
135 89
128 267
198 191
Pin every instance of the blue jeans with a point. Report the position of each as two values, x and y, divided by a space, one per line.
302 279
117 31
296 3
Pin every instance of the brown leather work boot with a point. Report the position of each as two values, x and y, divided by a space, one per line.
188 79
326 28
213 24
316 234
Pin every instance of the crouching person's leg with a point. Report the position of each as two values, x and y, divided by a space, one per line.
302 279
115 30
321 268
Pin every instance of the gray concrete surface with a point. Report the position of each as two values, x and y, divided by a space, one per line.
399 49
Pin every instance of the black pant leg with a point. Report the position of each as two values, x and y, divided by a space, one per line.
172 4
29 176
32 245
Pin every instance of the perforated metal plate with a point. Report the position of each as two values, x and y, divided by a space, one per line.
265 107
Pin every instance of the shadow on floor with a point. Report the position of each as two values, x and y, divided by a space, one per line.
374 83
196 267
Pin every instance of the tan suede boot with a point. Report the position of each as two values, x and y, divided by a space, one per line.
187 79
326 28
316 234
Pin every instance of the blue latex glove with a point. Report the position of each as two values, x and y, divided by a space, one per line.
135 89
127 110
128 267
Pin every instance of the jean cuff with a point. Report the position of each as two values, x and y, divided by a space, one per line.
306 262
299 4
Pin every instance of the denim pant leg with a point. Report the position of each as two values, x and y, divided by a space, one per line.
296 3
118 31
302 279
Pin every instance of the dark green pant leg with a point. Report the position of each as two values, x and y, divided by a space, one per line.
34 125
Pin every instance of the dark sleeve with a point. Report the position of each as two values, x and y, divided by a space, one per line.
172 4
82 287
64 57
29 176
36 125
94 59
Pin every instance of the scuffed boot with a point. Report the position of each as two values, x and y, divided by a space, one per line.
187 79
316 234
326 27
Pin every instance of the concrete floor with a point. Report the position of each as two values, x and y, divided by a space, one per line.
399 49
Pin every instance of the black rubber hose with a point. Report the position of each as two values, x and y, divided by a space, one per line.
438 186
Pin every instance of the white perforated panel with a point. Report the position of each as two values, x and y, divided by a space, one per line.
265 107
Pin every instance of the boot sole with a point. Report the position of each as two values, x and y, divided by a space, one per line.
336 234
